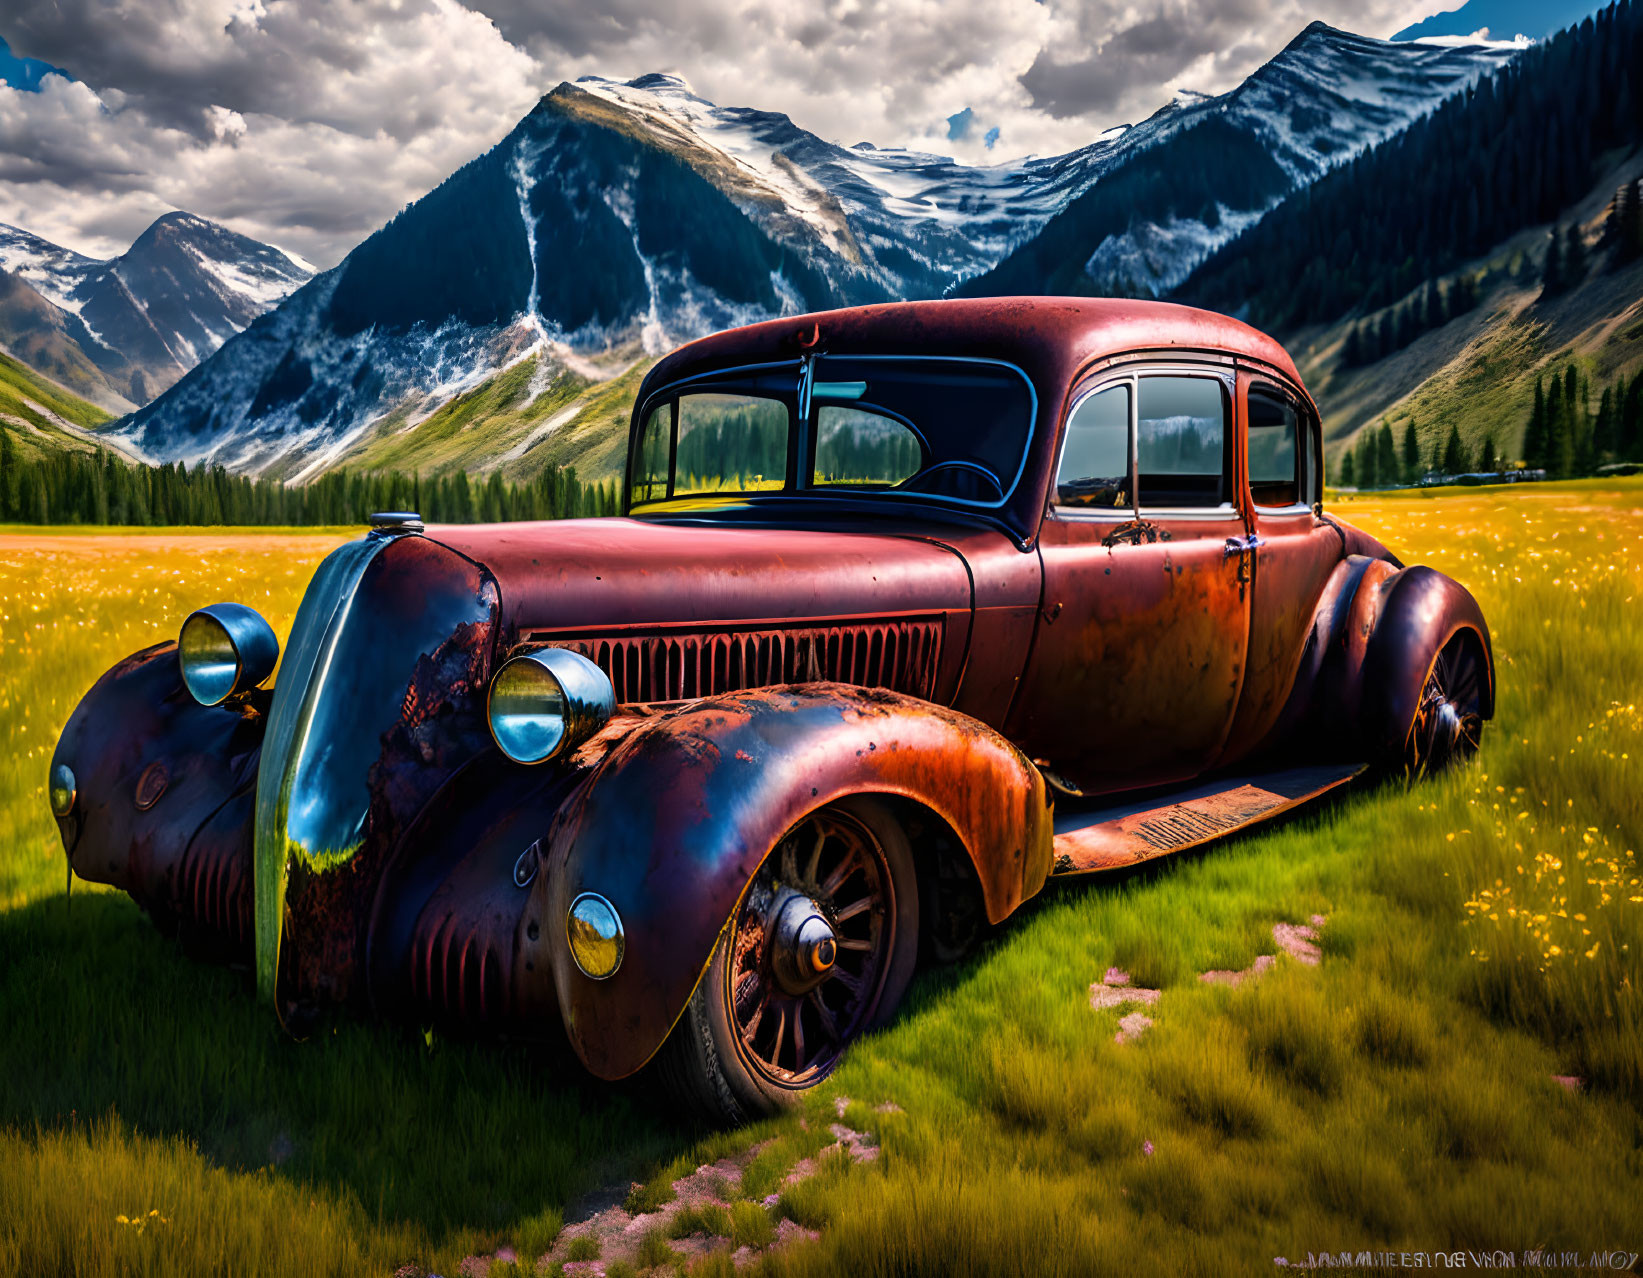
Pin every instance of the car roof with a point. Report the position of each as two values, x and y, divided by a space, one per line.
1048 337
1051 339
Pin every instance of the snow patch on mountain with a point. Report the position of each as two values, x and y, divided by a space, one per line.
53 271
1153 257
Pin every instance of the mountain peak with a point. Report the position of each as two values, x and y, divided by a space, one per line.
659 81
181 217
1319 32
670 83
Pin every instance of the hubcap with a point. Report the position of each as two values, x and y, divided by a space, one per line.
809 951
803 948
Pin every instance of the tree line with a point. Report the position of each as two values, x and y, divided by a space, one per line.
100 488
1376 337
1566 437
1511 152
1377 461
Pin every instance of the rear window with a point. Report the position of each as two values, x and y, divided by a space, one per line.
1275 478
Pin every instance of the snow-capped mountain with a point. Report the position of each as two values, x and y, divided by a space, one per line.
1325 97
913 222
621 218
1195 174
148 316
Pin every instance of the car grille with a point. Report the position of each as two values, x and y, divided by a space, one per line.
901 655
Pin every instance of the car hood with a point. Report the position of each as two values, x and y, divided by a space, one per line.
602 574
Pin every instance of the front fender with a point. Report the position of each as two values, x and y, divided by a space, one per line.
675 821
162 808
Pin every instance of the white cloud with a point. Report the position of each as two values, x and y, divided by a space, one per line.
308 123
304 124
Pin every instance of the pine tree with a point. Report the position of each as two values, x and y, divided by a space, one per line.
1631 421
1352 347
1556 428
1487 462
1411 453
9 504
1574 256
1368 474
1582 450
1629 238
1603 429
1551 275
1454 452
1536 451
1349 470
1386 455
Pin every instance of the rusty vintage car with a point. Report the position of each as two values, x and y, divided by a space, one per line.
913 608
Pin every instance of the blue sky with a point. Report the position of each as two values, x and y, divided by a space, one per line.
23 73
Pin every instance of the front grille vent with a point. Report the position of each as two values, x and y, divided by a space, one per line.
901 655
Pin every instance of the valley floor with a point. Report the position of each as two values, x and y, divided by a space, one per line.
1462 1068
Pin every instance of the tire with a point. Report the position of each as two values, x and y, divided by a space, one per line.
726 1058
1448 724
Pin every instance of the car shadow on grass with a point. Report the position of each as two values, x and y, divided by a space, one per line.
105 1016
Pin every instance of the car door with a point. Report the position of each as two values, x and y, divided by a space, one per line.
1139 647
1294 552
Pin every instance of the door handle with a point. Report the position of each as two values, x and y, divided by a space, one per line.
1242 545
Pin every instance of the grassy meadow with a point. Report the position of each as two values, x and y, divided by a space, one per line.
1484 938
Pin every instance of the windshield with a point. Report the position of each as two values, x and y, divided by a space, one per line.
954 430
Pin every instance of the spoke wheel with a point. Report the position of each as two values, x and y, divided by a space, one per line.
820 950
1448 725
810 949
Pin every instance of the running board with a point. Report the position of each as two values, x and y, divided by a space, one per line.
1090 839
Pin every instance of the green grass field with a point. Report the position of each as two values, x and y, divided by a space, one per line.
1484 934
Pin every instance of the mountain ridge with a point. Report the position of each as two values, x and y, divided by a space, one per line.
636 214
145 317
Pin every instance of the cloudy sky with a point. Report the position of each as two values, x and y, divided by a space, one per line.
308 123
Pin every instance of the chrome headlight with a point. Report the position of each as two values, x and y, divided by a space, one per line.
594 932
546 703
63 789
224 650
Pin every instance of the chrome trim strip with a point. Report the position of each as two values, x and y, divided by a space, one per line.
302 675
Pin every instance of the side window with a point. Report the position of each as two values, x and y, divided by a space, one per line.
860 449
1181 442
730 443
1095 461
650 464
1276 460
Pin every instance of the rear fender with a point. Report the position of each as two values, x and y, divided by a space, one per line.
1421 611
674 822
1377 629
